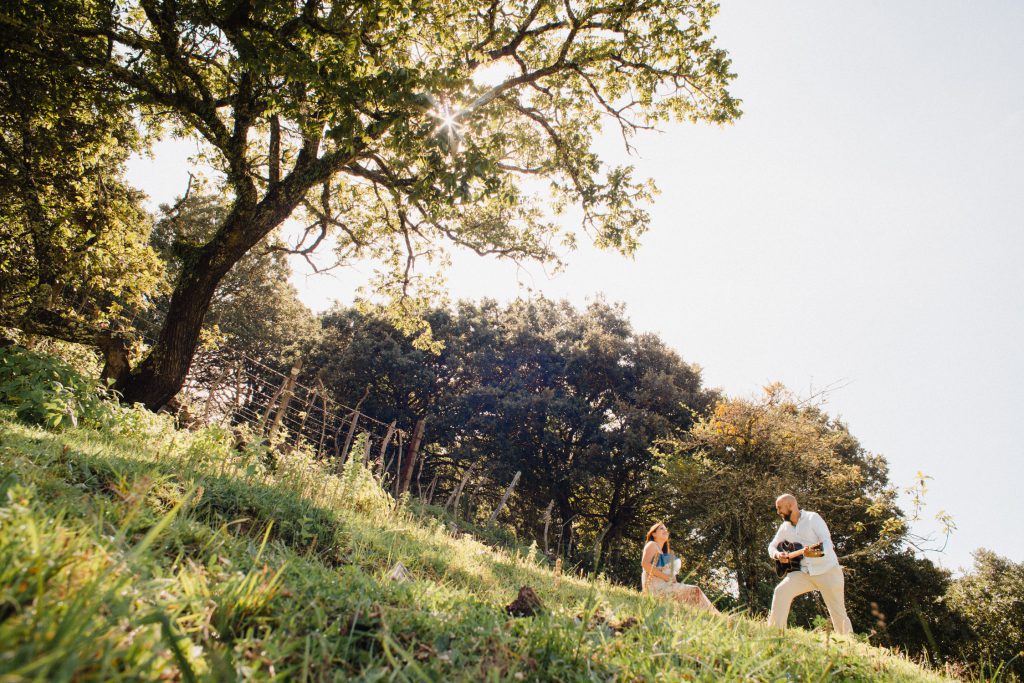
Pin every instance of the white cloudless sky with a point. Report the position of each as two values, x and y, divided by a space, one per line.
860 225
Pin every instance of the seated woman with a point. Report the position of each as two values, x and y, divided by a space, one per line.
659 572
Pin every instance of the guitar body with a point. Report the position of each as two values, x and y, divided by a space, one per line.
783 568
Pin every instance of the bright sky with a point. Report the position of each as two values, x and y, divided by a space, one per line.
861 225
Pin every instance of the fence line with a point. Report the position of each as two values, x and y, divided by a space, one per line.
228 386
293 413
238 355
310 417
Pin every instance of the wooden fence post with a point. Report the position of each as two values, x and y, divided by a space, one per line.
352 425
387 465
305 415
504 498
239 385
430 489
368 446
547 524
457 493
270 406
350 436
336 437
217 384
384 446
410 460
323 427
287 391
419 475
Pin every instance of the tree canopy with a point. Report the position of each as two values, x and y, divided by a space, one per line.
396 126
990 600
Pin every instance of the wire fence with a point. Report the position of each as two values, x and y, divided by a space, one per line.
233 388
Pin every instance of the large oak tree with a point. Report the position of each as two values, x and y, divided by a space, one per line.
398 125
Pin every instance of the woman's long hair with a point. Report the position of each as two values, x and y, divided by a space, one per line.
666 547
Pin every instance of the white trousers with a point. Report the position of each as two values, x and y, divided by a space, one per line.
681 592
830 584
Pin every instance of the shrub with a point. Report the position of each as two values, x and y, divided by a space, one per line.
45 390
359 488
990 601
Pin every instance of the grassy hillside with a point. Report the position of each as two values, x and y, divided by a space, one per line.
135 551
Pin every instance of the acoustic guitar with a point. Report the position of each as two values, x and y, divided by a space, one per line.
797 552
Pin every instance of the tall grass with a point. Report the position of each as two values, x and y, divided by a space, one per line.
133 551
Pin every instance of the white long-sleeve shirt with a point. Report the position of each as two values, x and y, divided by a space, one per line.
809 529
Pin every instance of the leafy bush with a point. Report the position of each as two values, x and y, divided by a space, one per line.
359 487
47 391
990 600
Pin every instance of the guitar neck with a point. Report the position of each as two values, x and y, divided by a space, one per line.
799 553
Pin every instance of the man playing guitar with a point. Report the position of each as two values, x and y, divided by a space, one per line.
819 568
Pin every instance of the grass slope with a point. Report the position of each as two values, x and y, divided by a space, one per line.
141 552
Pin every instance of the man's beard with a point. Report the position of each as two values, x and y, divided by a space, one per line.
787 517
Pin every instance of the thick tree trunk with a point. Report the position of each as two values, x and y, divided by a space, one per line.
160 375
157 379
615 522
114 348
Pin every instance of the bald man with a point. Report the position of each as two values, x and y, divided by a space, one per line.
822 574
